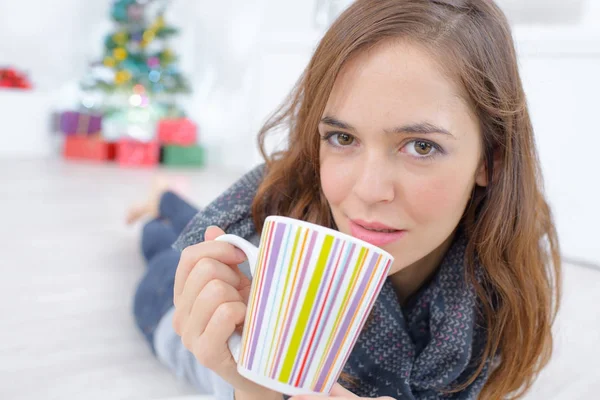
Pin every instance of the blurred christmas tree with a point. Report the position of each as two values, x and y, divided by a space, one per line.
128 108
138 52
138 68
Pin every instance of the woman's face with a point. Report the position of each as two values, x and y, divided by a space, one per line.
400 152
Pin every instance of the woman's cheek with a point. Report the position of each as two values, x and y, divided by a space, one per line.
436 198
336 180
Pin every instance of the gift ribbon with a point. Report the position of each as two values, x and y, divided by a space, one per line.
83 124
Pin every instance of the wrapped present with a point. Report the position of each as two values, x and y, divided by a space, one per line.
11 78
92 148
133 153
180 132
79 123
183 156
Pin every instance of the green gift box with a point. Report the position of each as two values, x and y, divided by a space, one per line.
183 156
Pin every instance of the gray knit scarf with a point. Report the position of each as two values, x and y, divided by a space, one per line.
420 350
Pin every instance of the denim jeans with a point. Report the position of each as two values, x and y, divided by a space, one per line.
154 293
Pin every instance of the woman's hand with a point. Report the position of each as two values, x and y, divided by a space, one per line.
338 392
210 297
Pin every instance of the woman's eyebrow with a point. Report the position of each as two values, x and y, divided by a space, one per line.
418 128
421 128
337 123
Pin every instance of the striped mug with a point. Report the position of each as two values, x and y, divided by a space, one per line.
312 290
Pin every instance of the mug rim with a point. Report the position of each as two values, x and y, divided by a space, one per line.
333 232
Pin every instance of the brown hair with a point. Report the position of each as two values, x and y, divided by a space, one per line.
509 224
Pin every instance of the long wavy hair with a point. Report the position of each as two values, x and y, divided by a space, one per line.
509 224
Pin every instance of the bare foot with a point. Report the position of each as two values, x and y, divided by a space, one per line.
149 207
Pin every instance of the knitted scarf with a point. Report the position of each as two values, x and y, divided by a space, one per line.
421 350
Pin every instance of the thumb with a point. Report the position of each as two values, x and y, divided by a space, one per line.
213 232
339 391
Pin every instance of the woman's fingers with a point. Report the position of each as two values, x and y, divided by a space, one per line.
220 251
214 295
204 272
213 232
211 347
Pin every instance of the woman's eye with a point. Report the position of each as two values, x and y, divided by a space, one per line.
420 148
340 139
423 148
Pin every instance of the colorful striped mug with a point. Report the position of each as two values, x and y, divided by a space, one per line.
312 291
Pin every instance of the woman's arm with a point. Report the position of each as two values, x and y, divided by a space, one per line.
171 352
231 211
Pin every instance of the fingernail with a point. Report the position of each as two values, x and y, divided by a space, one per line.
240 254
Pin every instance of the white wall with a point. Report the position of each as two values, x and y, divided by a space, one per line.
244 57
563 98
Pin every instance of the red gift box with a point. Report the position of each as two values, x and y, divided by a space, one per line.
92 148
132 153
179 132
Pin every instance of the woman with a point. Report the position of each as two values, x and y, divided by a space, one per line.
409 129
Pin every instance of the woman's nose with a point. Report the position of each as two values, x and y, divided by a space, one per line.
374 183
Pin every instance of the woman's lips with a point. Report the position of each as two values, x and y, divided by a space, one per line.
378 239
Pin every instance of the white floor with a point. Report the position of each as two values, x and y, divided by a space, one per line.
69 268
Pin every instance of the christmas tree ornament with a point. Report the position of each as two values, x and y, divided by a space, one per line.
135 12
154 76
149 36
153 62
135 100
167 56
160 22
137 36
120 38
120 54
122 76
109 62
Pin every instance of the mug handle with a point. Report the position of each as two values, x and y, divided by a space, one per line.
251 251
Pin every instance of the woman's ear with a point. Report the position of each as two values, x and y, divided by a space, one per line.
482 176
